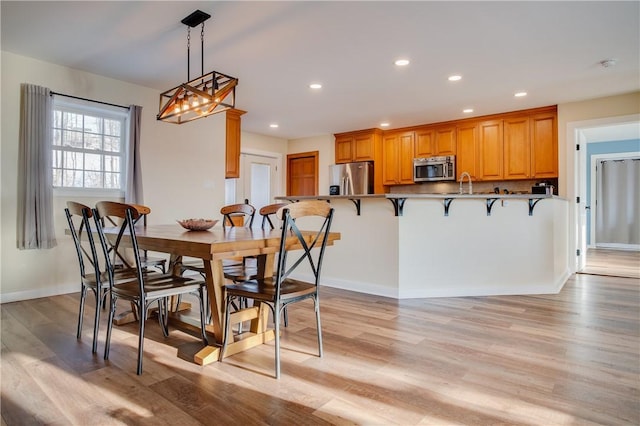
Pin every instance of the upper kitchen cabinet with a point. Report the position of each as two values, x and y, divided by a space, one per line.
531 145
467 159
544 145
357 146
491 150
435 140
397 158
517 148
232 151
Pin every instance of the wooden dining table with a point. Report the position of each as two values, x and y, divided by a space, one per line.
213 246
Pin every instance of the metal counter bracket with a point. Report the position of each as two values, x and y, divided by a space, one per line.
447 203
532 204
490 202
356 202
398 205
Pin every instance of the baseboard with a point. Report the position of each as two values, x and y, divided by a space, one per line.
38 293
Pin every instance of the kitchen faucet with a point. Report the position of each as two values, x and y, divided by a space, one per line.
470 184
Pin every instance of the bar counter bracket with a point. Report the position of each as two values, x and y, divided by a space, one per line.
356 202
532 204
447 204
398 205
490 202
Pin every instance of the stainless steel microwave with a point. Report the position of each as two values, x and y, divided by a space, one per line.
432 169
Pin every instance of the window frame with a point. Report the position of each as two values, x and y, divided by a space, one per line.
96 109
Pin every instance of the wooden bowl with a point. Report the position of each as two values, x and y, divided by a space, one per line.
197 224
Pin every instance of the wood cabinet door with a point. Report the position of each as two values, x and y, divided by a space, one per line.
363 148
517 148
445 140
406 154
467 147
344 149
232 146
544 146
424 143
390 160
491 146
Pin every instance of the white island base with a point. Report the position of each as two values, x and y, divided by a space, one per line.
423 253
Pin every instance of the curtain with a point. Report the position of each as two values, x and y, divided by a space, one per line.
618 202
133 192
35 228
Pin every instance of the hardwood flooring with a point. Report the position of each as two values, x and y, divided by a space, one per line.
565 359
620 263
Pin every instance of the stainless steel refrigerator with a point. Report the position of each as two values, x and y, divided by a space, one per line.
351 178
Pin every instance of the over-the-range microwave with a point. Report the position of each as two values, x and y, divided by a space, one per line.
431 169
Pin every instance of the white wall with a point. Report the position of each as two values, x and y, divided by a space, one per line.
182 168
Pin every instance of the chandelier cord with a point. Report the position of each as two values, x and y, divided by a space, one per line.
188 53
202 50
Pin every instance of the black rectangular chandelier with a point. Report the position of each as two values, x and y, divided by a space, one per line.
203 96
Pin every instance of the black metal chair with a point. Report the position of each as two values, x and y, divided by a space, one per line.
281 290
144 289
268 211
91 277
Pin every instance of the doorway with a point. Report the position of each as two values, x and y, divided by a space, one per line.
302 173
592 138
259 179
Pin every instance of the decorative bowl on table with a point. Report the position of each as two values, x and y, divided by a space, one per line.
197 224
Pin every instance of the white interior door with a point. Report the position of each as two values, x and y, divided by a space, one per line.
259 181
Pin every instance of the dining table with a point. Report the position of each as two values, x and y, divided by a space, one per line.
213 246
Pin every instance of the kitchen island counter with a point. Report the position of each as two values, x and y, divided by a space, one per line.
467 248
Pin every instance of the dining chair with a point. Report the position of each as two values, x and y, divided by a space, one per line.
281 290
268 211
91 277
144 289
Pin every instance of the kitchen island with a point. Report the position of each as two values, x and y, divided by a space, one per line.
443 245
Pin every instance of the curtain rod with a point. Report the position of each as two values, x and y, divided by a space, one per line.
89 100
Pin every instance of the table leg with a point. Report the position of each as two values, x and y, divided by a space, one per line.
259 315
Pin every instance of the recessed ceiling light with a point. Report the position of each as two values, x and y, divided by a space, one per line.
315 86
385 124
274 125
520 94
402 62
455 77
467 110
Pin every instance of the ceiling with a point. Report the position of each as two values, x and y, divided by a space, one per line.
551 50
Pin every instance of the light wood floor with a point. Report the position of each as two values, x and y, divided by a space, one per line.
620 263
565 359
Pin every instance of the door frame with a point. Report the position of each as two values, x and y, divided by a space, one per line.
577 217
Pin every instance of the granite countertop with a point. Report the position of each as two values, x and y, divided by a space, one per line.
417 196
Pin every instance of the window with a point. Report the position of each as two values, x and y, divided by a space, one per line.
89 145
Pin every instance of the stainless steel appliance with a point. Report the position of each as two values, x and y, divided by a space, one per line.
431 169
351 178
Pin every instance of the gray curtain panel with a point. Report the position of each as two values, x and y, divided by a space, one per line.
35 228
618 202
133 193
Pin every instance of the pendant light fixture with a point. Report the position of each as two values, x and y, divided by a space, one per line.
201 97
